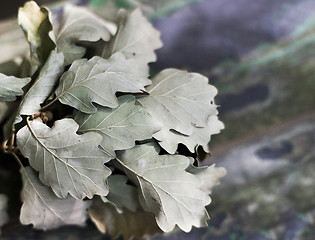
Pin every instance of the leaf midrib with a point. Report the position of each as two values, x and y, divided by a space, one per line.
60 159
64 91
152 183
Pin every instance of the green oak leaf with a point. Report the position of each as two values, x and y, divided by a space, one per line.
43 87
42 208
169 139
121 194
126 223
36 24
135 38
11 87
119 127
97 80
67 162
166 188
180 100
79 24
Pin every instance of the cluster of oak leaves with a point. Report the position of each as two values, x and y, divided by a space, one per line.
104 161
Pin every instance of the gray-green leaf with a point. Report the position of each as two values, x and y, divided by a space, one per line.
11 87
43 87
167 190
169 139
120 127
121 194
135 38
180 100
67 162
79 24
97 80
36 24
127 223
42 208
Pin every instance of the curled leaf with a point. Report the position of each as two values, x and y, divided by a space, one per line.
36 24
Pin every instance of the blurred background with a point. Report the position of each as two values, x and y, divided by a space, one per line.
261 57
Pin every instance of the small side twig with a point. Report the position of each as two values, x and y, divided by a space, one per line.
11 148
